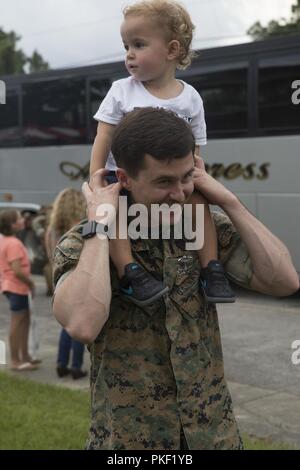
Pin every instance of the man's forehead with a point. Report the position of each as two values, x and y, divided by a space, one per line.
172 167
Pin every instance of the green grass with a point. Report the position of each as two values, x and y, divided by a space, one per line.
34 416
253 443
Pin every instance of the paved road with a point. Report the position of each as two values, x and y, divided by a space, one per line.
257 333
257 336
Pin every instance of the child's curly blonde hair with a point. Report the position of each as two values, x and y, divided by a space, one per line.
174 20
69 208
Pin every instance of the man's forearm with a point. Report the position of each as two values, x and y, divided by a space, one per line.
274 272
81 303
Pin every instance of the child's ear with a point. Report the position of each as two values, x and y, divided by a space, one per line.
123 178
173 49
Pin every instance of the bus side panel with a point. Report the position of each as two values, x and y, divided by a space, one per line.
36 175
256 165
264 172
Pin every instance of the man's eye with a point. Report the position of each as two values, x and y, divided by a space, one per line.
138 45
126 47
163 182
188 177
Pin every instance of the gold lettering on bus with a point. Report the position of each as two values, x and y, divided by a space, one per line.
74 171
217 170
237 170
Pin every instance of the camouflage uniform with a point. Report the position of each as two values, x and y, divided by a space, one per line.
157 369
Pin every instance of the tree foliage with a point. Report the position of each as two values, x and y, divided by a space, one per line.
14 60
278 28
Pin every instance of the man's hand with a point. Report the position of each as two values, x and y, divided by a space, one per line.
212 190
99 196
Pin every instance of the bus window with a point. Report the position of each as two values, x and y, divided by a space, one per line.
54 112
98 89
225 102
10 135
276 111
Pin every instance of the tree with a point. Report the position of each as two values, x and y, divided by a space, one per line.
278 28
37 63
13 60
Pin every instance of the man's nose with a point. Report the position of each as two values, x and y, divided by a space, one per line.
178 194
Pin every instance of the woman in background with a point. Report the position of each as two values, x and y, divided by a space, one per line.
69 208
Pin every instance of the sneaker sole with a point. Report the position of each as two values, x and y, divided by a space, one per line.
144 303
216 300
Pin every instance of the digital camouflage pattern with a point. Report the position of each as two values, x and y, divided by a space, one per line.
158 368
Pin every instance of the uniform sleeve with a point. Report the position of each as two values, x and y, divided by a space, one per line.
14 250
110 108
232 251
198 123
67 253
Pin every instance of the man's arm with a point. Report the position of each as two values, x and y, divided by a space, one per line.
274 272
82 300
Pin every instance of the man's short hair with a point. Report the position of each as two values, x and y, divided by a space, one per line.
153 131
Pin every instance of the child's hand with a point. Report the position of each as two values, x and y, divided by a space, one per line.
102 199
199 162
211 189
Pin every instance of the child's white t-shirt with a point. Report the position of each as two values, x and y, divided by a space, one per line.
128 93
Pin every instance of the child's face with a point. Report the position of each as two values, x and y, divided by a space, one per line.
147 49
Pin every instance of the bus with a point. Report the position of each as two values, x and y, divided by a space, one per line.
251 95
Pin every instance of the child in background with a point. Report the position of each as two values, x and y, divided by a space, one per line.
157 36
16 284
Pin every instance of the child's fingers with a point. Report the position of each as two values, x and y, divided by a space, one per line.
98 179
116 187
199 163
86 190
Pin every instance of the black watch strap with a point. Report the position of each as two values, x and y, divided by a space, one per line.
91 228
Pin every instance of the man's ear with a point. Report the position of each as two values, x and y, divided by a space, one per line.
174 48
123 178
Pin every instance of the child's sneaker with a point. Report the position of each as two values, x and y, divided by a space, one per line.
140 286
215 284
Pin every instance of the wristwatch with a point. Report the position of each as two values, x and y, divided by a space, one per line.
92 227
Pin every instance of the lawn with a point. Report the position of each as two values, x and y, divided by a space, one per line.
34 416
